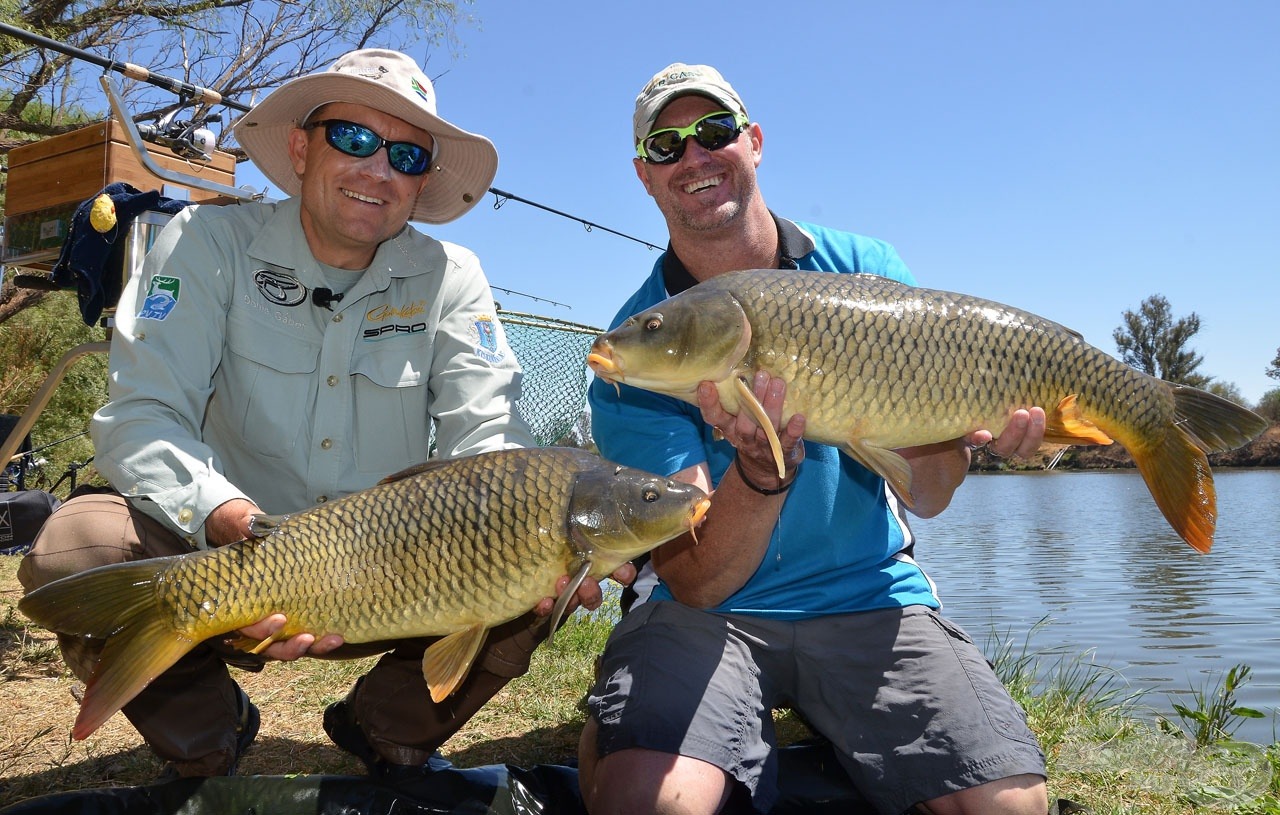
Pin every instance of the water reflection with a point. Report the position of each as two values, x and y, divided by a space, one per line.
1091 552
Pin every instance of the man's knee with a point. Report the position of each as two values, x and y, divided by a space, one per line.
1015 795
85 532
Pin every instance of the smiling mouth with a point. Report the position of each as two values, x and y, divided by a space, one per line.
703 184
368 199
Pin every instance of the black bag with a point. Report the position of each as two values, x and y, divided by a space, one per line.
22 514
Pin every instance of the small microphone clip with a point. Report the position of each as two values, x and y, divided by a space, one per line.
325 298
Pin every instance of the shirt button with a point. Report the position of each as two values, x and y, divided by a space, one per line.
337 318
321 499
185 515
333 381
326 444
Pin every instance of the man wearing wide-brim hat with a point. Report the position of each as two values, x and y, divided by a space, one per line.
273 356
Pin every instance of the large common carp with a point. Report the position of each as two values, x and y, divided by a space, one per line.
876 365
447 548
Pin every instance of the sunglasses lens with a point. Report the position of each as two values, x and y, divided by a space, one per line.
664 147
716 132
408 158
352 139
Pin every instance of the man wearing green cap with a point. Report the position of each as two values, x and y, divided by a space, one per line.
801 590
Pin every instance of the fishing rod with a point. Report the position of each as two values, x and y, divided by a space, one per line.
182 89
500 198
187 138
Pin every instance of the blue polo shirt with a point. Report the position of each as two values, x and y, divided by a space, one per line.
842 543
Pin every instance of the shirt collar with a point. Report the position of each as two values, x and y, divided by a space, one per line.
793 244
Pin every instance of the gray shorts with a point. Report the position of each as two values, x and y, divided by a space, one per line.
912 707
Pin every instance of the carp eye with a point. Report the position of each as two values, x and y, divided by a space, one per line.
653 323
649 495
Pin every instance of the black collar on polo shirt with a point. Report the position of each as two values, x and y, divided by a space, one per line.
793 242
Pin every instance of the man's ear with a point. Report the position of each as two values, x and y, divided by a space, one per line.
757 141
298 150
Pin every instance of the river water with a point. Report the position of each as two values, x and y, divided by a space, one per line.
1090 555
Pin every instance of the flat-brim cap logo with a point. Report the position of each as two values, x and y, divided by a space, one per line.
463 164
678 79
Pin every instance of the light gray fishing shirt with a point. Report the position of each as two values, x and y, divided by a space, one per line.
228 380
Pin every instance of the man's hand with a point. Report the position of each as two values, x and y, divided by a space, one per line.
589 595
229 522
298 645
754 453
1021 438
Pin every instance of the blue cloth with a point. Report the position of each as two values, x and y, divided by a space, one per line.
90 260
842 543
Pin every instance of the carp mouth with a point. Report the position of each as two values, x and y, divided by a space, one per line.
695 517
602 361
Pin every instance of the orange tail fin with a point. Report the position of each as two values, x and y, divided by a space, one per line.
116 603
1177 473
1177 470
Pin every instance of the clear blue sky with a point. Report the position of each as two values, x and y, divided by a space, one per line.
1071 159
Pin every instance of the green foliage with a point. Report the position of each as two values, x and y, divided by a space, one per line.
1273 370
1153 342
1269 405
31 344
241 48
1227 390
1215 715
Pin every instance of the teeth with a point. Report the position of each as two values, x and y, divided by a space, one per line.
704 184
367 199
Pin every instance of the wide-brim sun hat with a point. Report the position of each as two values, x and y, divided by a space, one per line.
463 164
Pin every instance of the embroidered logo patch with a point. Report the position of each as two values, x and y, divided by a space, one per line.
388 320
280 288
162 298
485 334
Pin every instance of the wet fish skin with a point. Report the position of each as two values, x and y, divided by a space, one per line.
448 548
876 365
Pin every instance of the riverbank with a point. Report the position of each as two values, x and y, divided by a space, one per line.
1263 451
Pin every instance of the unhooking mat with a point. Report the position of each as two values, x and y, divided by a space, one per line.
812 783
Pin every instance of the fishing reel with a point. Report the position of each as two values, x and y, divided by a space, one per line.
188 139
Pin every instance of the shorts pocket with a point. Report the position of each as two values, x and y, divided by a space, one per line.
1004 714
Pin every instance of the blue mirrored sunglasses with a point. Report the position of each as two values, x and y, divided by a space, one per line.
712 132
357 140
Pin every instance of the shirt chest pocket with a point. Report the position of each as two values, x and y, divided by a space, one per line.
392 420
266 389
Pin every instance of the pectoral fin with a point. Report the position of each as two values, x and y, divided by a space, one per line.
562 602
748 398
1066 424
448 661
885 463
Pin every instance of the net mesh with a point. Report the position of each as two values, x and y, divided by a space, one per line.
553 354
